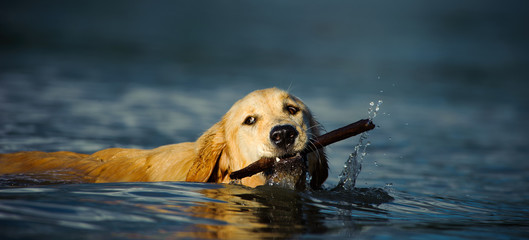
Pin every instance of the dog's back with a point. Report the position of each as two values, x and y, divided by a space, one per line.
165 163
48 165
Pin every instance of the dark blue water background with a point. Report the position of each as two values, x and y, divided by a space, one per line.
450 149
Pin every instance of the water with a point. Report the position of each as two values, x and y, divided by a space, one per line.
447 160
353 165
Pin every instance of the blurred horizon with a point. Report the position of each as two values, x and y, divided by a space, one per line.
469 42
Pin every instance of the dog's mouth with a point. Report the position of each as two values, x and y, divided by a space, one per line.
288 158
288 171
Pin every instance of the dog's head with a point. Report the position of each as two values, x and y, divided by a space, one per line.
268 123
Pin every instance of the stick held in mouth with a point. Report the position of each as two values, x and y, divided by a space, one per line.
331 137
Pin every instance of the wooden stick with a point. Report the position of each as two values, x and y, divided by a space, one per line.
339 134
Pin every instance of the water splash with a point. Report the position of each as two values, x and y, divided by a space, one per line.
353 165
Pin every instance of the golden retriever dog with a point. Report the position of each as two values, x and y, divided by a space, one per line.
268 123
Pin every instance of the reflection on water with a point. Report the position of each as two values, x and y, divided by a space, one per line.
182 210
275 212
211 211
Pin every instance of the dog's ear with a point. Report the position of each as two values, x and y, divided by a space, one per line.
318 165
209 149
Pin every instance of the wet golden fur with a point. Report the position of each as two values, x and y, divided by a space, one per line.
227 146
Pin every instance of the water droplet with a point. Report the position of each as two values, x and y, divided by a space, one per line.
381 91
389 138
371 104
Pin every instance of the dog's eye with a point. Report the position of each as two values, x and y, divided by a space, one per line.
250 120
292 110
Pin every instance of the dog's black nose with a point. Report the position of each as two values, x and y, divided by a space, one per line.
283 136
